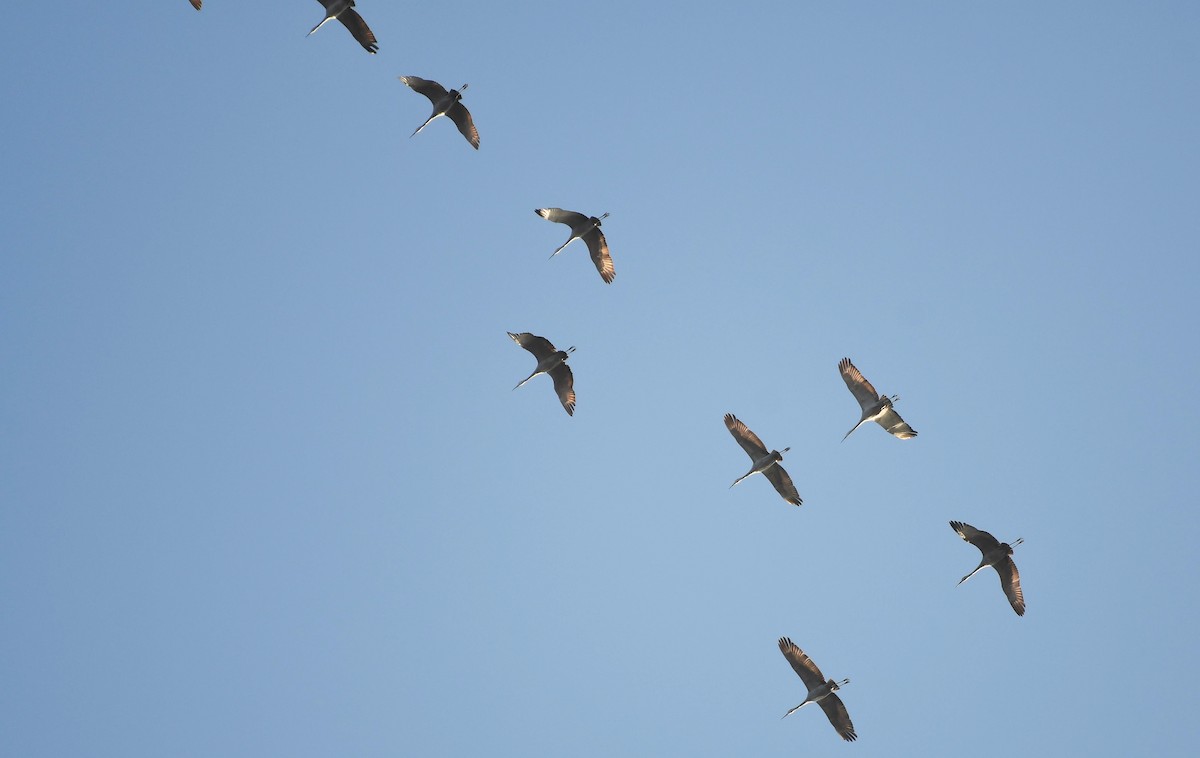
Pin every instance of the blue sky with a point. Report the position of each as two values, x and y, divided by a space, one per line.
267 491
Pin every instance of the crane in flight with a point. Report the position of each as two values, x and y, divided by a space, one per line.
552 361
765 463
343 10
875 407
586 228
820 690
445 103
998 555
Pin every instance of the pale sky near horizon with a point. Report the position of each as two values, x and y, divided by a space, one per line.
266 489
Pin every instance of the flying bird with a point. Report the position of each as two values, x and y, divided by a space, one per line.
586 228
197 3
552 361
447 104
820 691
343 10
998 555
765 463
875 407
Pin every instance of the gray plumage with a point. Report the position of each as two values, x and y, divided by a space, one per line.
998 555
552 361
820 690
586 228
445 103
875 407
764 462
343 10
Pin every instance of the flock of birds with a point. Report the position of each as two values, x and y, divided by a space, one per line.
553 362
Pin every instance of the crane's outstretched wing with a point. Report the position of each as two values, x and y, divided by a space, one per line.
426 87
559 216
801 663
359 29
783 484
461 117
835 709
564 385
598 247
1010 580
862 390
976 537
539 346
896 426
749 441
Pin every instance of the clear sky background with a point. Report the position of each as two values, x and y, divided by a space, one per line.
266 490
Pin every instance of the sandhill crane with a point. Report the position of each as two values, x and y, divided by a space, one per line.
820 691
586 228
997 555
197 3
875 407
343 10
445 104
765 463
552 361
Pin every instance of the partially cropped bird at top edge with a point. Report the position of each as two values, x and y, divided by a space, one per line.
998 555
552 361
875 407
765 463
447 104
586 228
197 3
820 690
343 10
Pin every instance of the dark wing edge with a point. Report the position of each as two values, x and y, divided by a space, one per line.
783 484
598 247
976 537
426 87
564 386
359 29
197 3
539 346
801 663
1010 580
749 441
461 117
835 709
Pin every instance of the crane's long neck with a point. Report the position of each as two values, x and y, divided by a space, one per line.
982 564
860 423
422 126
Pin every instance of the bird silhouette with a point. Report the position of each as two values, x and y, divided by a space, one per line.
586 228
552 361
445 103
875 407
764 462
343 10
820 690
998 555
